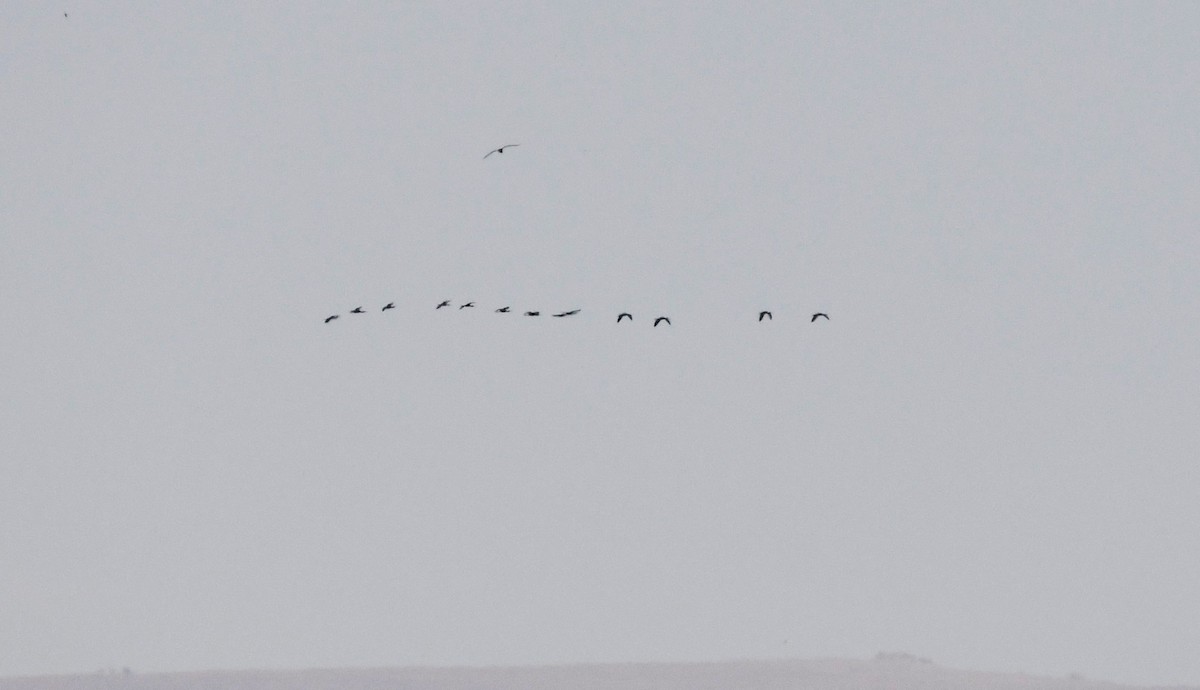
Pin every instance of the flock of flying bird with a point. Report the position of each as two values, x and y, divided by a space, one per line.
504 310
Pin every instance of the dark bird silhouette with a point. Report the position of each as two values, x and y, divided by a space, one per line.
568 313
661 318
533 313
389 305
357 310
766 314
814 318
331 318
624 315
499 150
445 303
502 310
468 304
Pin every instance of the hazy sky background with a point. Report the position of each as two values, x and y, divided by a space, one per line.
988 456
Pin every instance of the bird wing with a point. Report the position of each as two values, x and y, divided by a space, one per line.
500 150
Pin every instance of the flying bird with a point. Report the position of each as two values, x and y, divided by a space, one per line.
533 313
445 303
624 315
568 313
468 304
766 314
814 318
499 150
357 310
502 310
331 318
389 305
661 318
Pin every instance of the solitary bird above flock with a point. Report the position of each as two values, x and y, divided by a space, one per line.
500 150
766 314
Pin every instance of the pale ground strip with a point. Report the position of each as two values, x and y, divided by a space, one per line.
887 672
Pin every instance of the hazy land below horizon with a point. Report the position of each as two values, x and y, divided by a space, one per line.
886 671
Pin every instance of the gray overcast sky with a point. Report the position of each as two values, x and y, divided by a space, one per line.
987 456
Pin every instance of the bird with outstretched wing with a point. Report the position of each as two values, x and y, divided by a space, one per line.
500 150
